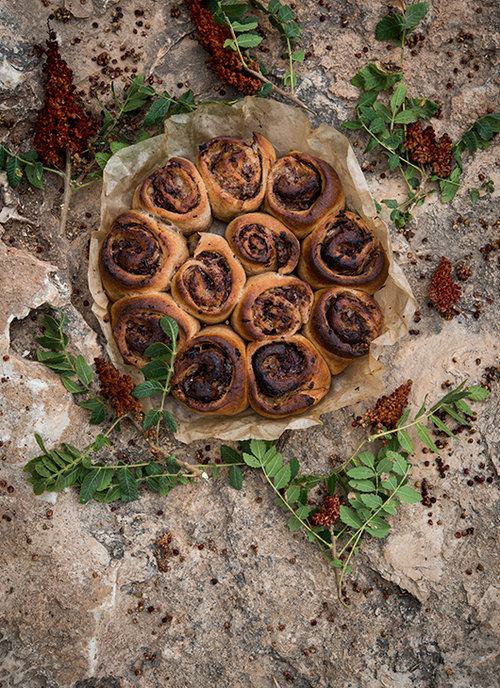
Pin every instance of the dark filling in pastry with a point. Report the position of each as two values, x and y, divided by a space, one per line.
256 243
278 310
280 368
284 249
352 322
207 373
347 249
144 329
297 184
134 248
209 285
173 189
236 168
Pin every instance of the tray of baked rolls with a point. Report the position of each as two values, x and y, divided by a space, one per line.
258 235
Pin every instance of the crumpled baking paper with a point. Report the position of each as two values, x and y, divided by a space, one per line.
287 128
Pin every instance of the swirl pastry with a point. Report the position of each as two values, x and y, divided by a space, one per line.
210 373
344 251
235 173
139 255
301 191
272 305
263 243
209 284
343 323
135 322
285 377
176 193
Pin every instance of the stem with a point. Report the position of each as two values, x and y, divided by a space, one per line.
290 62
67 194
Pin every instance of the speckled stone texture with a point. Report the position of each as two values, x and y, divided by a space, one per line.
83 602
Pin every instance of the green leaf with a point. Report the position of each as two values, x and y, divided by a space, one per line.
156 113
83 370
439 424
298 55
98 410
245 24
406 116
451 412
362 485
169 327
115 146
128 484
294 524
372 143
282 477
293 494
156 370
464 407
390 203
382 111
448 188
353 124
394 161
331 484
409 495
372 78
259 448
400 466
294 467
72 386
101 441
158 350
474 195
14 171
40 443
377 531
367 98
106 478
248 40
367 458
384 466
370 500
389 508
151 418
169 421
415 13
264 90
66 479
251 460
390 28
236 477
147 389
34 173
390 484
303 511
229 455
273 466
361 472
477 393
405 441
102 159
89 485
398 97
3 156
229 43
426 438
350 517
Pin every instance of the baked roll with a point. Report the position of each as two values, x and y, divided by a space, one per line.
302 190
176 193
272 305
210 373
344 251
235 173
139 255
209 284
342 325
263 243
285 376
135 322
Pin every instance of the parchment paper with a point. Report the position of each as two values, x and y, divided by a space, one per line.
287 128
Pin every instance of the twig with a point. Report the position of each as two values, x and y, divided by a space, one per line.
279 90
67 194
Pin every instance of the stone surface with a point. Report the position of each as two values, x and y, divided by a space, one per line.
83 603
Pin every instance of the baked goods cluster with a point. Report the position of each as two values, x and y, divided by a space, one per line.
267 313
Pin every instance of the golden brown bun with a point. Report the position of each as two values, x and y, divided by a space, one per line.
344 251
176 193
210 373
135 321
272 305
209 284
262 243
139 255
302 190
342 325
235 173
285 376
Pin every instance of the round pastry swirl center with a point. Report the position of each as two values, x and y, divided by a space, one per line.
279 368
297 184
142 330
207 372
173 189
256 243
236 168
352 322
277 311
347 249
209 281
134 249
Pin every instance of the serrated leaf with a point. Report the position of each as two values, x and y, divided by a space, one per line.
455 415
372 143
350 517
236 477
371 500
170 328
151 418
229 455
303 511
294 524
128 484
353 124
66 479
115 146
72 386
362 485
367 98
169 421
156 370
105 479
390 28
259 448
367 458
273 466
245 24
406 116
390 202
449 188
89 486
415 13
409 495
389 508
474 195
97 408
405 441
361 472
426 438
40 443
331 484
147 389
248 40
293 494
14 172
377 531
464 407
158 350
102 159
83 370
439 424
34 174
282 477
398 97
299 55
294 467
372 78
251 460
384 466
390 483
382 111
157 112
477 393
394 161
